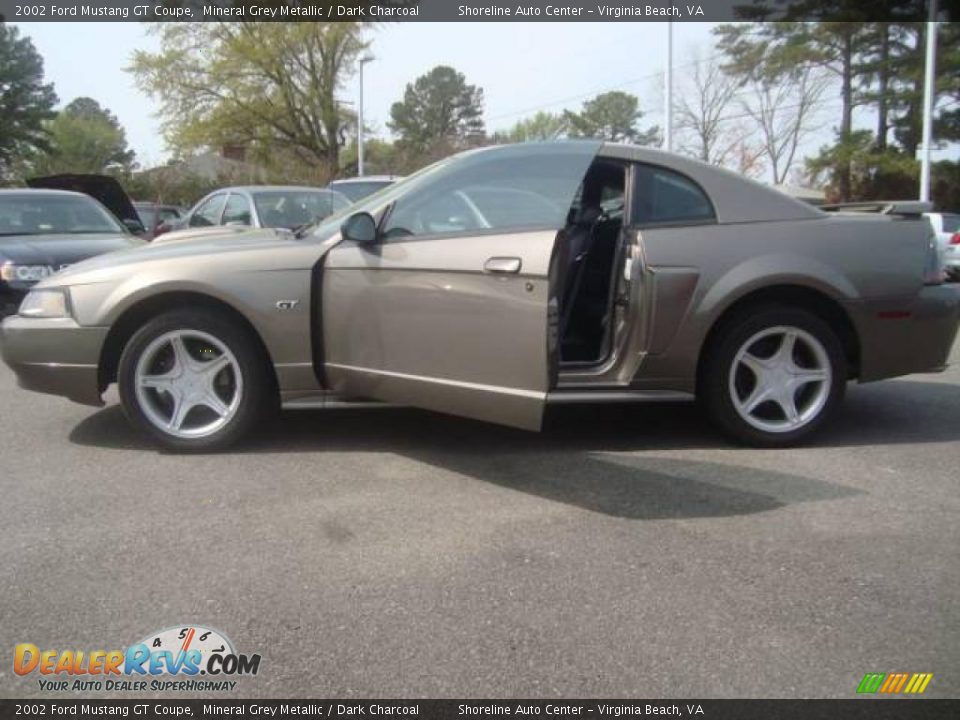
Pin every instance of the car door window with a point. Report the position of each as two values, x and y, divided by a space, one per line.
208 213
664 196
237 210
493 193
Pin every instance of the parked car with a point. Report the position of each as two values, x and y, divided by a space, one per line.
947 228
261 206
44 231
635 275
103 188
358 188
158 218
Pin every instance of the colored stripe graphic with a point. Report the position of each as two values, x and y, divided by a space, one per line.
894 683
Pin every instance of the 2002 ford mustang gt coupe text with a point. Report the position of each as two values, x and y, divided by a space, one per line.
499 281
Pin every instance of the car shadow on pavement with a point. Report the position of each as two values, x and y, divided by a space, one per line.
570 463
576 459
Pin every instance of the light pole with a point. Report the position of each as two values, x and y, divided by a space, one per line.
929 78
363 61
668 93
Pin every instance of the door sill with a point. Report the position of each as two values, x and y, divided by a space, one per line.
583 397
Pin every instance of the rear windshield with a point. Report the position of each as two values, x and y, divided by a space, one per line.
293 208
54 214
951 223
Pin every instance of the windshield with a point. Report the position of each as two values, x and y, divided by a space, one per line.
378 200
29 214
488 188
294 208
148 215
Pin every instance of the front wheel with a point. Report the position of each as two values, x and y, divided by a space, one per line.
195 382
774 377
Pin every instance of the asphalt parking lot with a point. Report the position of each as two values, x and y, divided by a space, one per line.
624 552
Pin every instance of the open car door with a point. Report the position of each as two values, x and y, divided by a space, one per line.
451 308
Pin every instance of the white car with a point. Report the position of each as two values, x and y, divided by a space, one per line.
947 228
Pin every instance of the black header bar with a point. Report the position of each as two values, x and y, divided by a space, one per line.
468 10
854 709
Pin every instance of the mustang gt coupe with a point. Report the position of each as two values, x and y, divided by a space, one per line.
495 283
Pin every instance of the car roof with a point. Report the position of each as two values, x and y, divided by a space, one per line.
366 178
39 193
271 188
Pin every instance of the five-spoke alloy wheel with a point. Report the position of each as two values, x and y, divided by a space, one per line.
773 376
195 381
188 383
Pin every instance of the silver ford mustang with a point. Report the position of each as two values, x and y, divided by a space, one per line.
495 283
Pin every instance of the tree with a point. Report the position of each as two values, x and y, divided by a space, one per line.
539 127
773 50
702 115
26 102
84 138
612 116
438 108
267 86
784 108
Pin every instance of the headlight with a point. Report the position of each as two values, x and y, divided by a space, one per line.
45 304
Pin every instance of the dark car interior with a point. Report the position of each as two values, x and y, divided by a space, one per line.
585 262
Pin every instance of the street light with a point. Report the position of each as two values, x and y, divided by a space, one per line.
365 59
668 93
929 100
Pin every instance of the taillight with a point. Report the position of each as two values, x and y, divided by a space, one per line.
955 239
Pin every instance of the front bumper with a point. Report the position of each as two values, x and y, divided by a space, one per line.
54 355
902 338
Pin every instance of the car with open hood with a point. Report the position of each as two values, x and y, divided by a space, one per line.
45 231
496 283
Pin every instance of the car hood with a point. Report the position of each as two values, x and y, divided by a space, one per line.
102 188
219 246
201 233
61 249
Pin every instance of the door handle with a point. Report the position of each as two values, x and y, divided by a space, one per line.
502 265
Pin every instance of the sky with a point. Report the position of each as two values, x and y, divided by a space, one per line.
522 68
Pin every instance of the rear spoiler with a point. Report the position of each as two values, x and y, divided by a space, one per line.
904 208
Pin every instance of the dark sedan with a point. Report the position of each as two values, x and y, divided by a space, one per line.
44 231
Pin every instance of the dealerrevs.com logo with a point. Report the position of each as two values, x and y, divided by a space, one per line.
188 658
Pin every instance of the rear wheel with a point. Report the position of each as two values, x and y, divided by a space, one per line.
774 377
194 381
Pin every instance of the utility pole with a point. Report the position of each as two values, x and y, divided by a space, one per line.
364 60
929 78
668 93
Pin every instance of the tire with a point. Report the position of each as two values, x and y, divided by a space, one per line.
172 390
753 374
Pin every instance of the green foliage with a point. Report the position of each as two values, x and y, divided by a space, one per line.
379 158
874 174
438 110
267 86
612 116
537 128
26 102
84 138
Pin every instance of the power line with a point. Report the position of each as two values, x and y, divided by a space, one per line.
598 90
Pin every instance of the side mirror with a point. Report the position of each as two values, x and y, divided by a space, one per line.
360 227
134 226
